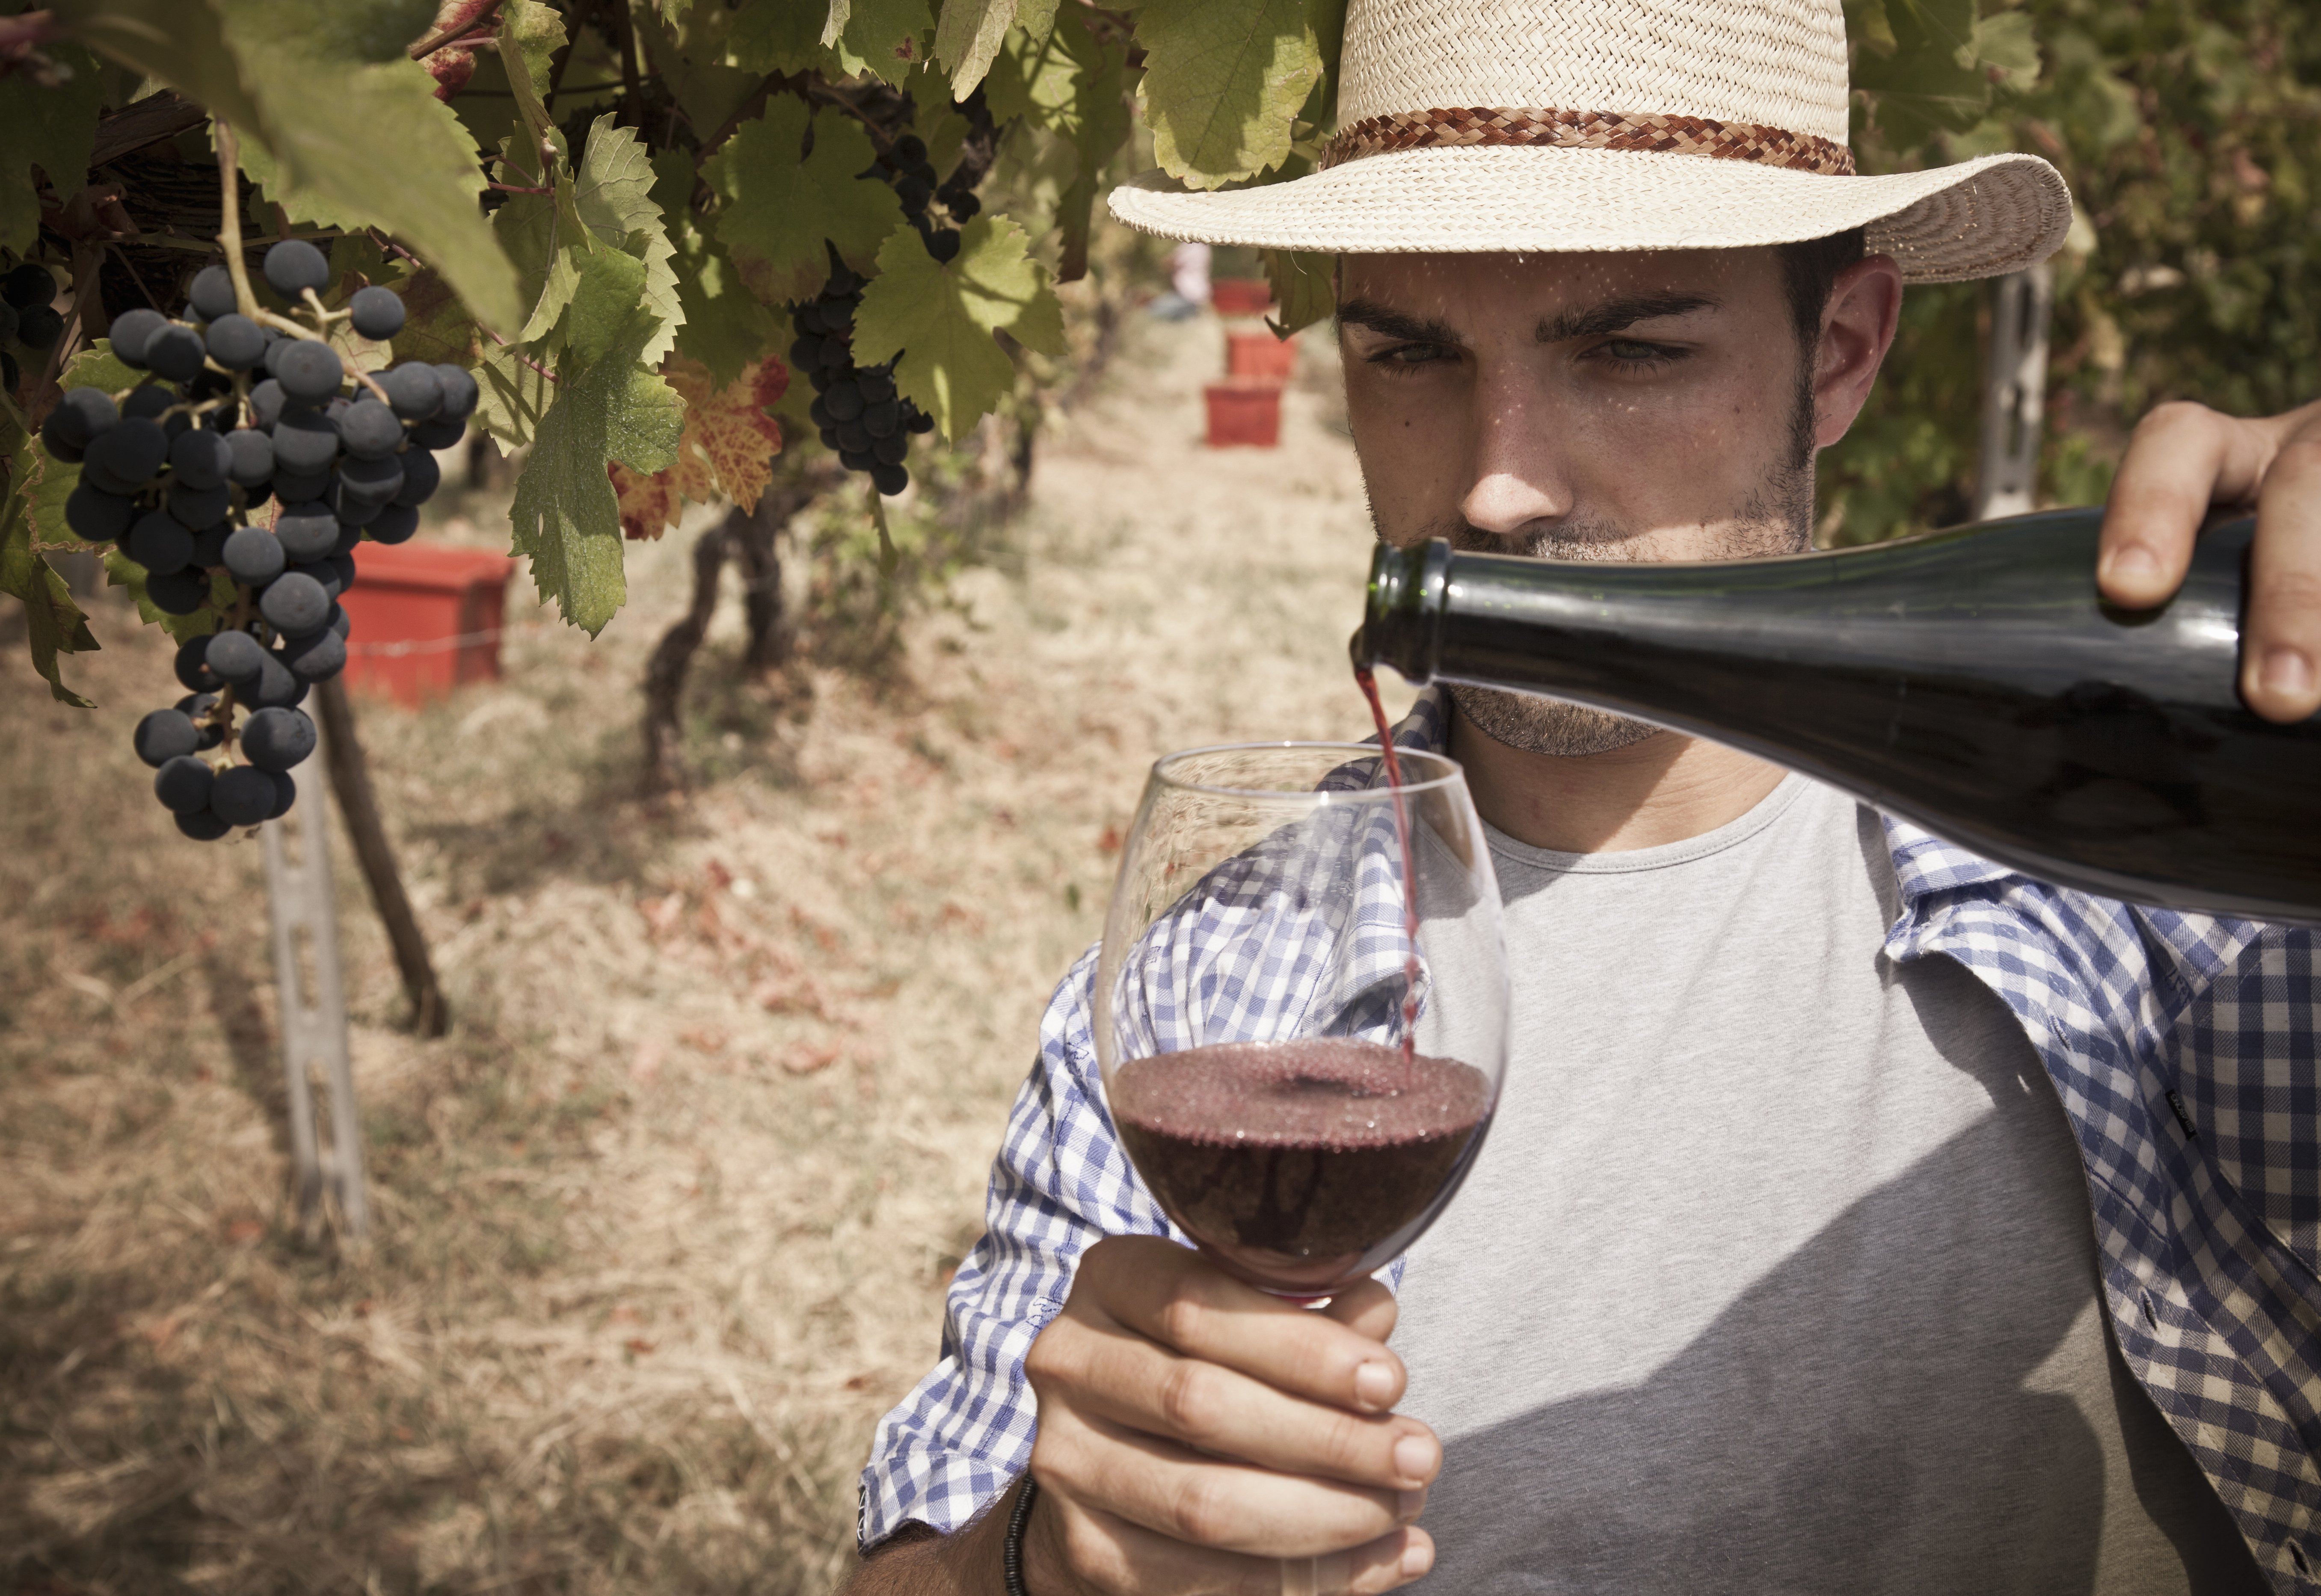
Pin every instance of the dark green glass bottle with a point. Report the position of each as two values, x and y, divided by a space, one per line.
1971 681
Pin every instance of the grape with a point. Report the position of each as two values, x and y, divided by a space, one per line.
158 543
7 321
459 393
81 414
943 244
295 266
195 706
146 403
199 460
293 488
265 401
249 457
373 480
294 604
856 459
421 476
843 401
395 525
276 739
378 312
193 667
854 437
242 796
236 657
202 827
306 530
352 508
196 508
183 784
413 390
213 293
914 193
829 437
236 343
286 793
369 430
131 450
964 205
343 565
39 327
209 544
882 420
28 284
275 688
340 622
890 450
98 515
441 433
175 352
131 329
877 384
317 657
254 555
277 345
920 421
305 443
178 592
308 371
164 735
11 373
889 480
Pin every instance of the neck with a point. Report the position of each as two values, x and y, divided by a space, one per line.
1662 790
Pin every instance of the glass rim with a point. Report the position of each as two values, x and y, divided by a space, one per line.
1451 773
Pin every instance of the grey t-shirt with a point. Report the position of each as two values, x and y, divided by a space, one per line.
1776 1273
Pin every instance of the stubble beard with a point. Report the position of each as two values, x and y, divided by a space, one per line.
1775 518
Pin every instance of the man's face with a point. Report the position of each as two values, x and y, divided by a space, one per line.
1584 406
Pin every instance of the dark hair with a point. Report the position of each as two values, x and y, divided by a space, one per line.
1809 269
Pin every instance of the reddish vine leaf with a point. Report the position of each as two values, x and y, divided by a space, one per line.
453 64
727 449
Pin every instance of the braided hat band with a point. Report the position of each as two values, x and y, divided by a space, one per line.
1589 130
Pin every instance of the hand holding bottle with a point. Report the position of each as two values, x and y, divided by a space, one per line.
2185 458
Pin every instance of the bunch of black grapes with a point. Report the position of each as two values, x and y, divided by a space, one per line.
856 406
250 451
28 318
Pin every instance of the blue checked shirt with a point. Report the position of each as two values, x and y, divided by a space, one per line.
2184 1048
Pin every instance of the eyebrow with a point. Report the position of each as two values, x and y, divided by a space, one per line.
1617 315
1395 323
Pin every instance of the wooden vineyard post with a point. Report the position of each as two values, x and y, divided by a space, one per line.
342 753
313 1008
2015 393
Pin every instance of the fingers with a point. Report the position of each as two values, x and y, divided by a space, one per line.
1072 1547
2281 635
1176 1297
2183 458
1136 1383
1205 1502
1366 1309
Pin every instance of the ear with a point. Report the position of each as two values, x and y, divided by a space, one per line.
1857 329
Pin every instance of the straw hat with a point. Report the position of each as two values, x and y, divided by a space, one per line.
1613 124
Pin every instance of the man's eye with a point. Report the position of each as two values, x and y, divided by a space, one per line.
1406 355
1635 351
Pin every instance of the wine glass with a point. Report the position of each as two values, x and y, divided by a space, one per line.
1301 1004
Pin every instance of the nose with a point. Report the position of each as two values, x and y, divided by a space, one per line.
1518 475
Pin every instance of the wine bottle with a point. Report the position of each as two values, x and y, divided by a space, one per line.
1971 681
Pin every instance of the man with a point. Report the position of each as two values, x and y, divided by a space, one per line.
1860 1215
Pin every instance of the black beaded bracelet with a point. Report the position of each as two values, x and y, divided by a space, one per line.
1011 1550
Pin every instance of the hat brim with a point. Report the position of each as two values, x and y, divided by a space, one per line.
1979 218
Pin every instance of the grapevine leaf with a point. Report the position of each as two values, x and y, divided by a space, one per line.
612 192
1098 125
513 393
1932 80
300 205
607 407
49 128
706 89
54 624
1223 83
729 428
179 43
940 318
1037 18
776 210
779 38
121 571
530 35
333 78
436 327
648 502
722 323
97 366
1303 287
968 36
883 37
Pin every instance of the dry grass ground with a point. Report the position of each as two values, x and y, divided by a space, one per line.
663 1223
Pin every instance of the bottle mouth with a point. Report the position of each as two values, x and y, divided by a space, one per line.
1403 609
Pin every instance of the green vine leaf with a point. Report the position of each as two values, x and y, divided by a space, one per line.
607 407
941 319
48 128
881 37
775 209
968 36
1223 83
613 192
179 43
1303 287
54 624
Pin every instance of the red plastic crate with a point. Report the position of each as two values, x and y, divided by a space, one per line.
425 618
1260 355
1240 296
1245 410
